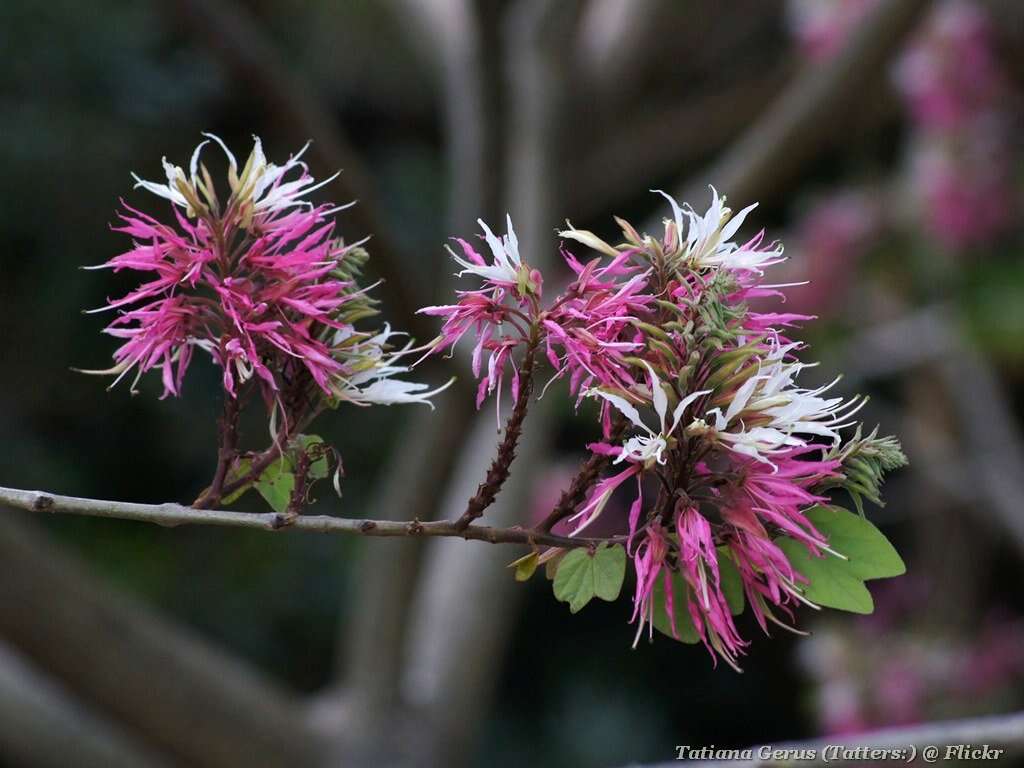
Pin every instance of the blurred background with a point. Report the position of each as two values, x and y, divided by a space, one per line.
883 140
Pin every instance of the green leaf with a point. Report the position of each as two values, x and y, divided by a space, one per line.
276 485
832 583
319 468
869 553
582 576
680 608
525 566
241 468
732 584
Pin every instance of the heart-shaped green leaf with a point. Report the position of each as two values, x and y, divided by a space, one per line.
832 582
276 485
319 467
581 576
869 553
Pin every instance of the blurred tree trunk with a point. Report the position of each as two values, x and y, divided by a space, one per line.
204 706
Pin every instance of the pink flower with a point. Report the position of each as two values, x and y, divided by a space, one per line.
821 26
649 565
950 74
501 313
831 238
957 94
251 285
257 281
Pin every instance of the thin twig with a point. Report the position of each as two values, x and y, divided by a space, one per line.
226 453
171 515
501 467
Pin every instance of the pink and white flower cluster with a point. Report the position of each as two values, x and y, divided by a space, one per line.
259 281
722 446
957 97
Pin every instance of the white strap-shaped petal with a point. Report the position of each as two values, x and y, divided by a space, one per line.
736 222
677 212
742 397
232 162
511 241
624 406
193 166
588 239
677 414
658 397
497 247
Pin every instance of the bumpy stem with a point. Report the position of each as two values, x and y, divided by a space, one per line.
501 467
585 478
271 454
226 453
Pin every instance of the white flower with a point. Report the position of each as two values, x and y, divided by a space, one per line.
708 240
782 410
388 391
179 189
648 448
373 384
505 250
260 188
589 239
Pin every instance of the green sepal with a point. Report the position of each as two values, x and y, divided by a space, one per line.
525 566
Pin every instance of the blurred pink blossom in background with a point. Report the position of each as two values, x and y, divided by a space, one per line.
958 105
820 26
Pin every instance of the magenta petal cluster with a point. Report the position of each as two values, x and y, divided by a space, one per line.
258 280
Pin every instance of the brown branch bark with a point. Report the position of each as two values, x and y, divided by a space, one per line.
172 515
584 480
501 467
226 453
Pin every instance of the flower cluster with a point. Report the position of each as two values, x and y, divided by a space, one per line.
258 281
955 95
699 405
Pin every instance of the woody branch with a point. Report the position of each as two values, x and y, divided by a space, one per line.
172 515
